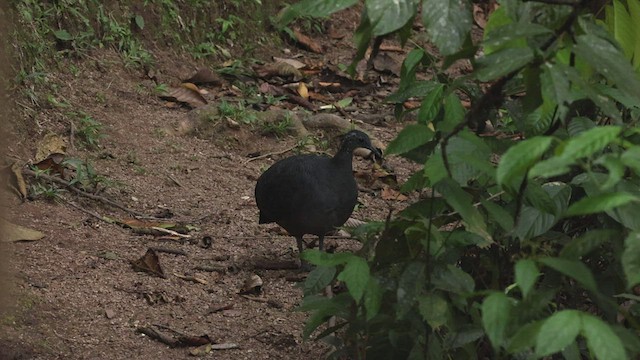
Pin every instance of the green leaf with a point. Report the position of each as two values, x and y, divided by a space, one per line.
501 216
431 105
410 285
318 279
590 142
313 8
454 280
574 269
417 89
139 21
634 10
600 203
321 258
411 137
434 310
389 16
525 337
624 28
460 201
508 34
356 277
580 124
588 242
468 157
373 298
608 61
602 341
526 275
555 85
631 259
502 62
496 311
631 158
518 159
557 332
448 23
63 35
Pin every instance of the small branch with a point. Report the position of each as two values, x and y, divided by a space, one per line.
80 192
169 251
270 154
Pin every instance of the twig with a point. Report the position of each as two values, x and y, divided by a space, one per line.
170 232
169 251
174 180
273 303
89 212
270 154
80 192
222 269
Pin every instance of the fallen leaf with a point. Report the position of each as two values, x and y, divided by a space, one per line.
204 76
391 194
53 162
253 285
194 340
50 144
307 42
109 255
293 62
201 350
479 16
12 232
109 314
386 63
149 263
186 93
191 278
302 90
20 184
281 69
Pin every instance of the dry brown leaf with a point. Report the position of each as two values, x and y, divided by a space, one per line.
191 278
293 62
186 93
391 194
281 69
12 232
204 76
150 263
253 285
479 16
50 144
53 162
302 90
20 184
307 42
386 63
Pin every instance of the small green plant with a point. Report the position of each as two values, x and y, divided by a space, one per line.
237 112
89 130
48 192
85 176
278 128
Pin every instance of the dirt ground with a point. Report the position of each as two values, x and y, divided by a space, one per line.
75 294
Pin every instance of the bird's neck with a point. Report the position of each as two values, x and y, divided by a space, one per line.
343 158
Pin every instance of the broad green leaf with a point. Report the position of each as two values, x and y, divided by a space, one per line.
373 298
525 337
614 166
631 259
434 310
63 35
631 158
453 113
389 16
609 61
624 30
551 167
318 279
417 89
460 201
313 8
555 85
468 156
518 159
574 269
417 181
557 332
502 62
600 203
356 276
410 65
634 10
526 275
511 33
317 257
431 105
448 23
139 21
580 124
411 137
323 308
602 341
590 142
537 221
589 241
498 214
496 311
410 285
453 279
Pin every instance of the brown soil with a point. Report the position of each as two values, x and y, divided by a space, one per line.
70 302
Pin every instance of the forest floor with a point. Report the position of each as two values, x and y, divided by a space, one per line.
75 293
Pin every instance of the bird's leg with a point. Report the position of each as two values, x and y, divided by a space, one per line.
300 247
321 242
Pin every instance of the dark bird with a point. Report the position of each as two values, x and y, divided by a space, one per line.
312 194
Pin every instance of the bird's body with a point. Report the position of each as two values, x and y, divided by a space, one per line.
311 194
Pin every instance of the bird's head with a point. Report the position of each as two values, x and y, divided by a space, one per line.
357 139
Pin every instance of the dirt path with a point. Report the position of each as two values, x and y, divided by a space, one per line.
75 294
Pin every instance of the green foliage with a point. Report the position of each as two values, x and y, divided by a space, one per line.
532 246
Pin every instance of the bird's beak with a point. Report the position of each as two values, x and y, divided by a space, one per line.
376 153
